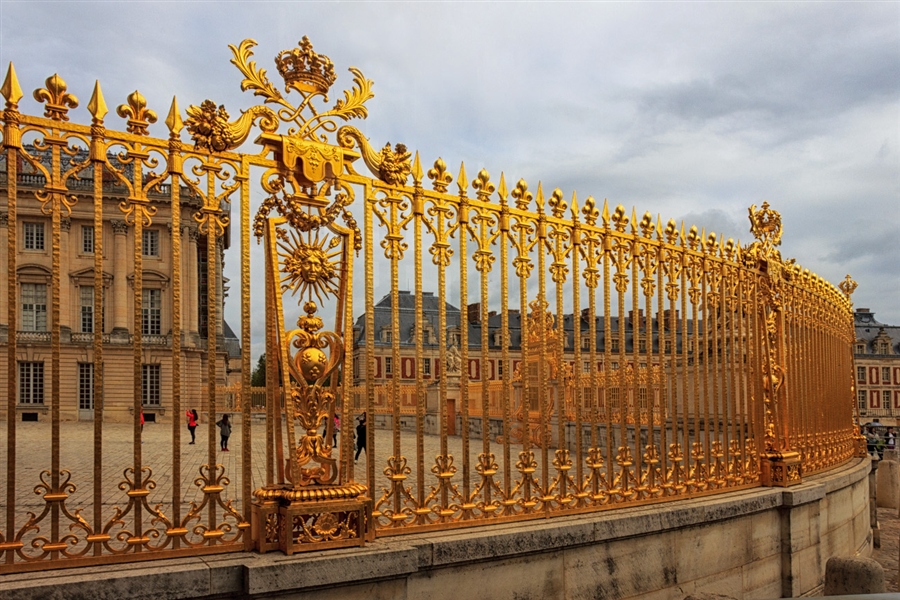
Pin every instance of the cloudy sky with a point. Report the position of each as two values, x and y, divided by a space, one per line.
690 110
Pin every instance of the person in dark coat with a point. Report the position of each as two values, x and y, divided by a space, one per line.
360 436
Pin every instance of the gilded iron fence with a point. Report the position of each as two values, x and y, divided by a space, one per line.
554 356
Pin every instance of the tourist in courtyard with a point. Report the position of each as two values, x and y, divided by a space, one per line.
224 432
360 436
336 430
193 417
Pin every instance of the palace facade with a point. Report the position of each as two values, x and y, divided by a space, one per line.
877 356
78 320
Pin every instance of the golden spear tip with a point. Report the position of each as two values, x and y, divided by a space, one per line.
11 90
97 105
539 196
417 170
173 120
461 181
501 187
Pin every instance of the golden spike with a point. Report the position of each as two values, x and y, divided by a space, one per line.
11 90
539 198
461 182
683 238
574 206
634 220
659 230
417 170
173 120
604 216
501 188
97 105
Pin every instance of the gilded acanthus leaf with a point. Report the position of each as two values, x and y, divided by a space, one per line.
254 79
353 105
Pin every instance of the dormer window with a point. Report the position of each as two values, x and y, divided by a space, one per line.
860 348
387 336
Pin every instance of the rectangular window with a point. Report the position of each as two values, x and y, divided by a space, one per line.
499 368
151 242
668 346
885 374
87 239
388 365
886 399
150 385
642 398
87 309
861 374
614 345
34 235
642 345
31 383
586 367
426 366
585 343
613 398
152 312
861 399
34 307
86 386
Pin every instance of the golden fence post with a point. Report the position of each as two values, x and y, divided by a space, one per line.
780 465
848 286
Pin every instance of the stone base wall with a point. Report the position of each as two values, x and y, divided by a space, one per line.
757 543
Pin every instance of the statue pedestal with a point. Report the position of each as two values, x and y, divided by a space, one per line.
311 518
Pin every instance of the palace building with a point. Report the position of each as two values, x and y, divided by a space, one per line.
78 320
877 356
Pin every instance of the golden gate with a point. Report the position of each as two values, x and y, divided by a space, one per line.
651 362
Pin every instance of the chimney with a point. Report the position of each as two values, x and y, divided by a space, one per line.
474 312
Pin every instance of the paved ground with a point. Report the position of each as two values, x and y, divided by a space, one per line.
76 456
889 553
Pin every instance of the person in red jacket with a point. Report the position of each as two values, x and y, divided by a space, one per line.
193 417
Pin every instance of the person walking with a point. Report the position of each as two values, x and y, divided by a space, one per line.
335 431
360 436
224 432
193 417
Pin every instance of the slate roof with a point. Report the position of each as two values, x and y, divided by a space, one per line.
868 329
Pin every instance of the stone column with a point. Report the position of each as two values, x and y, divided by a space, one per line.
65 283
120 287
189 287
220 290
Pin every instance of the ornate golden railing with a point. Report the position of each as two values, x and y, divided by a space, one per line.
654 362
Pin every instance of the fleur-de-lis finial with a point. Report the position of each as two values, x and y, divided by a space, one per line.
138 115
522 195
590 211
482 184
557 204
439 175
58 101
